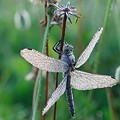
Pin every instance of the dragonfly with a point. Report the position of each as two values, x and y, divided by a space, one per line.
72 78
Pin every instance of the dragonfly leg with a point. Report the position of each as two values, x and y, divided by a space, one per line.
56 47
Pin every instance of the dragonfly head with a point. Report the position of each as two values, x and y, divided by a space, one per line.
67 49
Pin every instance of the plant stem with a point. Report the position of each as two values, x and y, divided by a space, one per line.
45 7
61 48
35 89
63 34
39 89
100 46
47 79
47 73
117 21
110 104
46 33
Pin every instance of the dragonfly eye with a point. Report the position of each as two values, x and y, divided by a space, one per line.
67 49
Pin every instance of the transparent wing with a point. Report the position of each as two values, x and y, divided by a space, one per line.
56 95
86 53
87 81
43 62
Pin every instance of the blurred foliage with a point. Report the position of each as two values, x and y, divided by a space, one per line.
16 93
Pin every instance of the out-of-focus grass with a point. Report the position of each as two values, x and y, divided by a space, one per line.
16 92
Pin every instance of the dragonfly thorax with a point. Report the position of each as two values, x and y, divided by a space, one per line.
68 56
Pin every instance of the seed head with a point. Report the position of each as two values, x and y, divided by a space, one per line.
66 10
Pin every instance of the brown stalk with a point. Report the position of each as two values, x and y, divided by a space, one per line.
45 19
61 48
47 74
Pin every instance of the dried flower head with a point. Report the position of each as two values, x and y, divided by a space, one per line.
66 10
57 20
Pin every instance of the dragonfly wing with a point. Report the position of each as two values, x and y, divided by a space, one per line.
43 62
87 81
86 53
56 95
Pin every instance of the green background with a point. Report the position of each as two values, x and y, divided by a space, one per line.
16 92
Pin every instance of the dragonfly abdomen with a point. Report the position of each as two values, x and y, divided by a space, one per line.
70 96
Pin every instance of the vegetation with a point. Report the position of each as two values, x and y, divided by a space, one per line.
22 29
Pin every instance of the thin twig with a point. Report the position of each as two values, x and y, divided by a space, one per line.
61 48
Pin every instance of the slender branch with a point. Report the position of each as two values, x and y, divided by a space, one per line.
61 48
39 90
